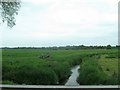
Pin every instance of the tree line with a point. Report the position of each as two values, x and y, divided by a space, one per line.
67 47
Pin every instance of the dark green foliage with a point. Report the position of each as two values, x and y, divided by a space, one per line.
33 75
91 74
112 55
8 11
112 80
27 74
109 46
75 60
119 69
62 71
8 82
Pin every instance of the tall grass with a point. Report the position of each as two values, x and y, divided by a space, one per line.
91 74
24 66
93 70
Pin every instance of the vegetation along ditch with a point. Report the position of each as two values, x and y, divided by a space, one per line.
53 67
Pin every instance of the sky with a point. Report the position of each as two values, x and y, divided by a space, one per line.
44 23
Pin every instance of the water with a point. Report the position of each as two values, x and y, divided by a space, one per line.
72 79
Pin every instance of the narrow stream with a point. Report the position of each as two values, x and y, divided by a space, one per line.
72 79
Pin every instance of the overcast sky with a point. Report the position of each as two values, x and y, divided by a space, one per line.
63 22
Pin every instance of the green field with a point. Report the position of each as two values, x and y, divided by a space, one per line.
52 67
100 69
109 65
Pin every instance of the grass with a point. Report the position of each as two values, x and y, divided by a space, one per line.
99 69
91 73
19 65
109 65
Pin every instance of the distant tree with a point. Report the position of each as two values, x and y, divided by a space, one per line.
8 10
82 46
109 47
117 46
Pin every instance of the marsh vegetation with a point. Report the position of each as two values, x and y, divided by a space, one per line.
53 66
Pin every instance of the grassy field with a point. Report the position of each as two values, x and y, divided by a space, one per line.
100 69
52 67
109 65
